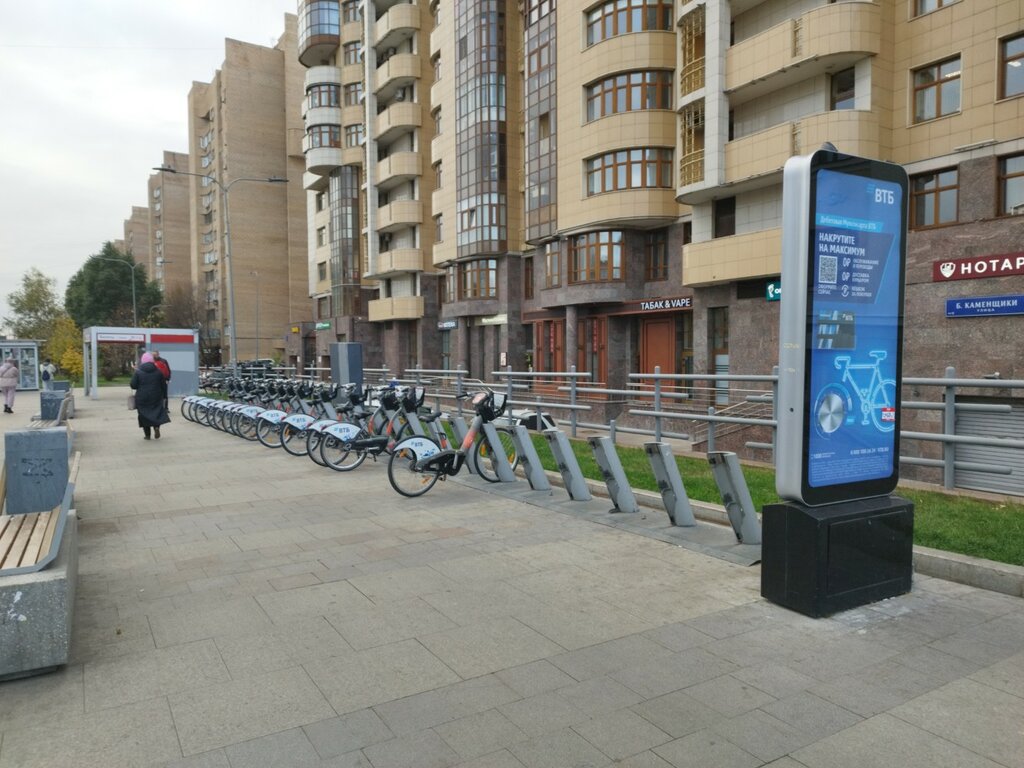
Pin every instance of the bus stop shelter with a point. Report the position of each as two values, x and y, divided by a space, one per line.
179 346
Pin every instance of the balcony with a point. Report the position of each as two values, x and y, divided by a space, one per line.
766 152
395 308
399 167
397 24
726 259
400 117
322 75
400 69
398 261
825 39
323 160
399 214
314 49
321 115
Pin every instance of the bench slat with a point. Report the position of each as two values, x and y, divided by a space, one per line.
40 532
21 540
51 528
11 524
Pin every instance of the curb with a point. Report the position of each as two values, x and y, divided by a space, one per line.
950 566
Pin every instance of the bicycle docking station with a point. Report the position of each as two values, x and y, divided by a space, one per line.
725 468
670 484
529 460
614 476
568 466
501 465
820 560
461 429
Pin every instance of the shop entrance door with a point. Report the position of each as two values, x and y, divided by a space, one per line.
657 344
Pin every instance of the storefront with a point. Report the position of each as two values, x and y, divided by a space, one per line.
26 353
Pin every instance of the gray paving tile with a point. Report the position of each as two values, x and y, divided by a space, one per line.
762 735
705 748
472 604
420 750
643 760
878 688
141 733
811 714
317 600
480 734
580 622
220 715
603 658
286 749
679 636
557 750
487 647
884 741
1007 675
57 695
347 733
216 758
389 622
622 733
302 640
534 677
500 759
599 695
543 713
676 713
149 674
187 624
401 584
980 718
378 675
660 676
776 680
442 705
728 695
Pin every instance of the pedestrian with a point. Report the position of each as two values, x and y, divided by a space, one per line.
150 396
46 372
9 376
161 363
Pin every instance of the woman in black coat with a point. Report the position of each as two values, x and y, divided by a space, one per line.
150 396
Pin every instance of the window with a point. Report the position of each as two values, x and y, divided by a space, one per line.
1011 185
922 7
933 199
319 17
629 169
351 53
528 277
323 136
723 213
350 11
937 90
323 307
538 9
319 201
321 270
656 255
439 227
596 257
843 89
552 266
324 95
437 175
437 121
1011 57
449 282
321 237
620 17
629 92
436 64
354 135
479 279
353 94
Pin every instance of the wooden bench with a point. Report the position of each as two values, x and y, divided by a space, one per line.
67 407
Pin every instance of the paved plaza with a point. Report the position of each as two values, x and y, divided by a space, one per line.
241 607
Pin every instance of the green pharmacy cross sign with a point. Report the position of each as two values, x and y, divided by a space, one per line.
773 290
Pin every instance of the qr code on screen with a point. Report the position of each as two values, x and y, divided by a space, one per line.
828 268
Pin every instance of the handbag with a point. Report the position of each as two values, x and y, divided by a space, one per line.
131 402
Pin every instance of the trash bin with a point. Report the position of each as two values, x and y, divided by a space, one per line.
49 405
60 385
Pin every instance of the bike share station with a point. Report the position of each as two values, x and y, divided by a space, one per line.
178 346
840 539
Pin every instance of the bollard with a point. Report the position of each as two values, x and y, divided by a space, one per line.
572 476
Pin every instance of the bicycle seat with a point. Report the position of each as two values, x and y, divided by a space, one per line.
430 417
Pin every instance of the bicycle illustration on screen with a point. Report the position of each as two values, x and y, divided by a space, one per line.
877 396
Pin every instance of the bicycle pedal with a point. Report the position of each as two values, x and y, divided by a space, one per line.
442 478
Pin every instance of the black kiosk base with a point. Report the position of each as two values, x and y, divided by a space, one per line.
821 560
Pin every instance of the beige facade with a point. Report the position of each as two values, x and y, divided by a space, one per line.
244 131
136 237
170 261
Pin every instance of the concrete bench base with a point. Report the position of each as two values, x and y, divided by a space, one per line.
36 612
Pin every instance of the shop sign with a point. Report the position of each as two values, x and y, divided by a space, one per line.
447 325
323 325
681 302
773 290
120 337
295 329
493 320
1000 265
976 306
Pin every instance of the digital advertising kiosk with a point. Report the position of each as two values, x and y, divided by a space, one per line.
840 539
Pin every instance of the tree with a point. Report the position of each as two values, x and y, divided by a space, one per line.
34 306
65 346
100 293
184 309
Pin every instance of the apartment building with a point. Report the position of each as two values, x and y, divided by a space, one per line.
170 261
605 177
136 236
245 138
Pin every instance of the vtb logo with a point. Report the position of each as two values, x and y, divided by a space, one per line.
947 268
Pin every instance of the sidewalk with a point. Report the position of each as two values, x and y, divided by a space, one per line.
241 607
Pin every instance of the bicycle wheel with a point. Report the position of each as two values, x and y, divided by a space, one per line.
293 440
402 472
313 439
186 406
246 428
338 454
883 405
483 455
268 433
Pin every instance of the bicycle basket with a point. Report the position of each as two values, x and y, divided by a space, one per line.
414 398
483 404
390 400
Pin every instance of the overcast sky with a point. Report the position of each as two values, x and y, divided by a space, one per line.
94 91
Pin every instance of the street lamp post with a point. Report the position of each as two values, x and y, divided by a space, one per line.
135 314
257 275
224 189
